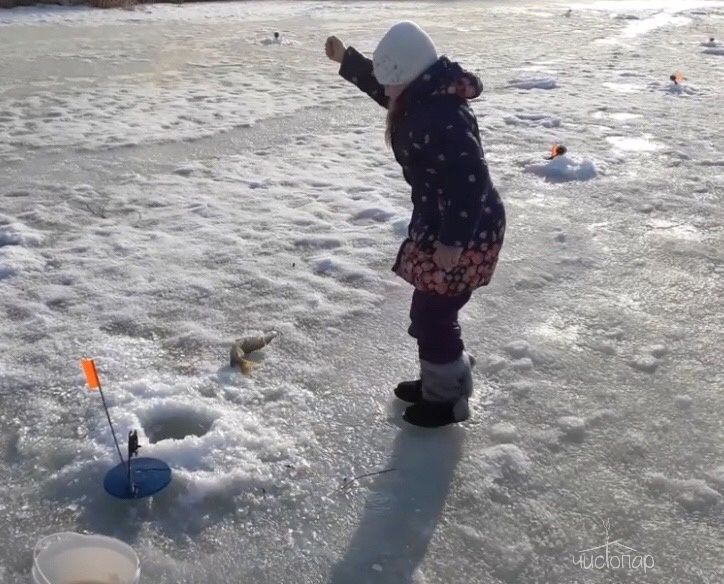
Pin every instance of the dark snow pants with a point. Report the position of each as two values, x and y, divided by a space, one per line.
435 325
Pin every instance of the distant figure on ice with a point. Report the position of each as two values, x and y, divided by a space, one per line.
458 219
570 11
277 40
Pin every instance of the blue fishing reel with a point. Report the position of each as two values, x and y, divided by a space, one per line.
136 477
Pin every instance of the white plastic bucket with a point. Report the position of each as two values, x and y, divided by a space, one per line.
72 558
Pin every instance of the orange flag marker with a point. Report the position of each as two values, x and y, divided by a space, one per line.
91 375
556 150
677 78
93 382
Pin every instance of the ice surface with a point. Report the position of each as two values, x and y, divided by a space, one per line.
624 87
171 182
633 144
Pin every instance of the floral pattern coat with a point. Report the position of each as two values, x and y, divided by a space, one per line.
437 143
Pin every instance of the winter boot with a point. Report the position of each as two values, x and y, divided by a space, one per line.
409 391
445 389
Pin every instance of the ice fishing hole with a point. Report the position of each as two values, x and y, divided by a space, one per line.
174 422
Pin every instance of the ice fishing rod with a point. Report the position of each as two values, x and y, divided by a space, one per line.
94 382
133 478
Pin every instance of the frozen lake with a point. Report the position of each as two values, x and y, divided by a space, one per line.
172 180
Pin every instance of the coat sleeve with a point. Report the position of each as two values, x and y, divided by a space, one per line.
357 69
464 180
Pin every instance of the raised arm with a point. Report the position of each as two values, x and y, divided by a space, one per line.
356 69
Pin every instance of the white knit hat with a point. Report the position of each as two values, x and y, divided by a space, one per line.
403 54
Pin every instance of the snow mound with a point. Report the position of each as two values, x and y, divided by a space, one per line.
564 169
524 119
375 214
603 346
711 44
691 494
649 358
573 428
643 26
7 237
318 242
504 460
6 272
645 363
534 83
503 433
342 270
657 351
683 402
681 89
15 239
601 417
673 89
716 478
630 445
714 51
524 364
493 364
13 233
517 349
279 41
185 170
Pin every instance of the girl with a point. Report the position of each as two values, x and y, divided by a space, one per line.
458 219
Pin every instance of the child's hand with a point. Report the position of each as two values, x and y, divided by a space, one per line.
335 49
446 256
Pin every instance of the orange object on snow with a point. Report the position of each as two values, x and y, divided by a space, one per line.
91 375
677 78
556 150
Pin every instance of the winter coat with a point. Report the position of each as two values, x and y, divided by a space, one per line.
437 143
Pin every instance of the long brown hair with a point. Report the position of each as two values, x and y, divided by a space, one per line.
395 111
